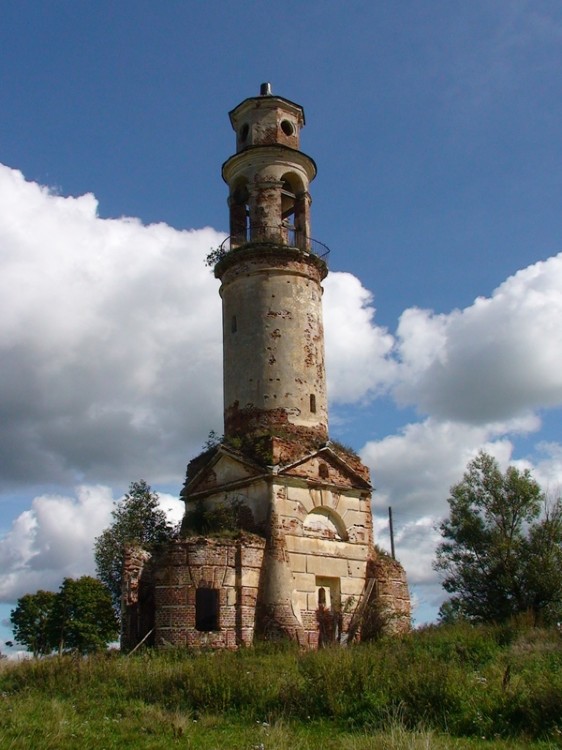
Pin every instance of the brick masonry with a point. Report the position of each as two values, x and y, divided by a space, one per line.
305 578
230 566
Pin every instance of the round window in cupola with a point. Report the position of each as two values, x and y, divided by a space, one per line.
287 127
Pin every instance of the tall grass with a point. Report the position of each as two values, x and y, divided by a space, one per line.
463 681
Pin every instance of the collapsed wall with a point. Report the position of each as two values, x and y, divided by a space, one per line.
390 604
223 593
203 593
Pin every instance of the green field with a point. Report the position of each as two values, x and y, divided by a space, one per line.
448 687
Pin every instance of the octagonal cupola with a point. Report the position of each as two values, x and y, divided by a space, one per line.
266 120
268 176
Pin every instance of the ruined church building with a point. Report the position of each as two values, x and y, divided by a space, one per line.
277 539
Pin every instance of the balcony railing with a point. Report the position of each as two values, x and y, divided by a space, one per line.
266 235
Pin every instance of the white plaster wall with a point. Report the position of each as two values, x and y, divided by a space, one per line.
275 357
312 558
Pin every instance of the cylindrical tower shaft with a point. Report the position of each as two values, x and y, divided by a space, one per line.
273 339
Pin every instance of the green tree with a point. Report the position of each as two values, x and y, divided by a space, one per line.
31 622
543 573
137 519
82 617
502 553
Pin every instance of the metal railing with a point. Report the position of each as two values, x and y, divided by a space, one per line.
269 235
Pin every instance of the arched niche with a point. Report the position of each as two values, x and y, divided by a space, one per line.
325 523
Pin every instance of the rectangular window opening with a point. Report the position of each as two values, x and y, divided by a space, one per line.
207 609
328 591
312 403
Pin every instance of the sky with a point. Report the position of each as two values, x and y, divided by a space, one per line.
435 126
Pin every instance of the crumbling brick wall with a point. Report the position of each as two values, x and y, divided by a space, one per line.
390 602
137 600
231 567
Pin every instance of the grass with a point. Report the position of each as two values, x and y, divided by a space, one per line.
449 687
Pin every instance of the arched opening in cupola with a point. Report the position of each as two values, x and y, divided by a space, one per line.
294 210
239 213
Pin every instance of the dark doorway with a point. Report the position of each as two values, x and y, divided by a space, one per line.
207 609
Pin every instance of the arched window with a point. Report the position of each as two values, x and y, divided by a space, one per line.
325 523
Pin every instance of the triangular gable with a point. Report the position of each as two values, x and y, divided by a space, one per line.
327 466
225 467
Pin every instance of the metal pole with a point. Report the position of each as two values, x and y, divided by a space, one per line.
391 528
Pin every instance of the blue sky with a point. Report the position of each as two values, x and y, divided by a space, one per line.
436 130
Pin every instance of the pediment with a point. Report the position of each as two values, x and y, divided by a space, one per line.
327 467
224 468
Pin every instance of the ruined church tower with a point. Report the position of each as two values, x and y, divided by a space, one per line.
277 539
273 341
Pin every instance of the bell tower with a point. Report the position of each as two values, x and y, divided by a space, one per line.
271 272
277 537
299 559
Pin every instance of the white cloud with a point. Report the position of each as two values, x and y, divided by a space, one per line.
53 539
357 350
497 359
172 507
481 374
413 471
548 468
110 339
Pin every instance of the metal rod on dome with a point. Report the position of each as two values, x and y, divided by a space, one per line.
265 89
391 528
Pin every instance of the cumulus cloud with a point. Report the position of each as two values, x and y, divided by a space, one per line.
357 350
54 539
110 340
496 360
414 468
499 358
547 467
111 343
481 374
